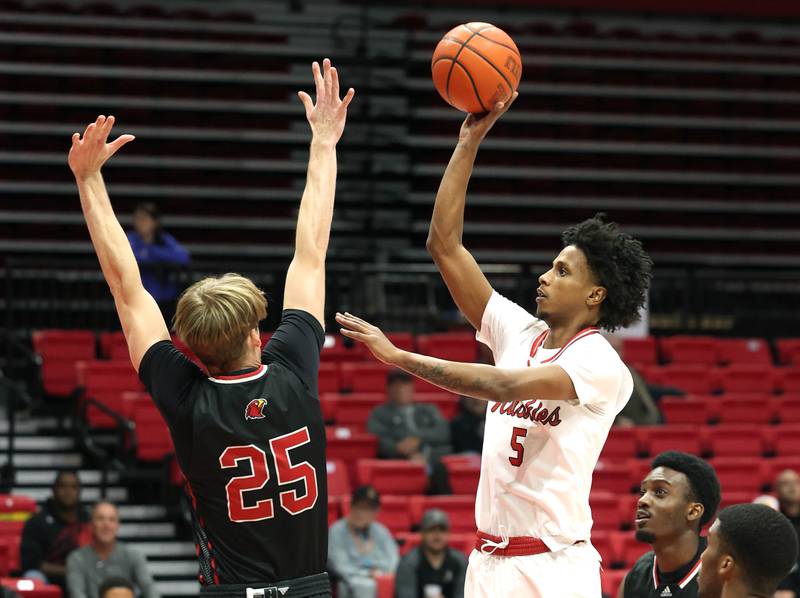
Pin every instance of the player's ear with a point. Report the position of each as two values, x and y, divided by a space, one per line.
255 338
695 511
596 296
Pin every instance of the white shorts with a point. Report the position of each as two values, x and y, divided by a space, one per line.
573 572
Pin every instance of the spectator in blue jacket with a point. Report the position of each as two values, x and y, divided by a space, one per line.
158 254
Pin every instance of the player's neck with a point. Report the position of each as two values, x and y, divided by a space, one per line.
562 332
236 366
676 553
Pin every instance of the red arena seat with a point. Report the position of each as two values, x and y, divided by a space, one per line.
393 476
460 510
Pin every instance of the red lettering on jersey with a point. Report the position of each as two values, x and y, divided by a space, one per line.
533 411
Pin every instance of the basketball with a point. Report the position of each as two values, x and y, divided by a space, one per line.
475 66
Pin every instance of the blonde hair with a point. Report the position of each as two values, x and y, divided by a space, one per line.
215 315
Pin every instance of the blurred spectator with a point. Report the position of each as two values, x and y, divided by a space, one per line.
432 569
466 429
406 429
104 558
787 489
359 548
115 587
767 500
54 532
157 253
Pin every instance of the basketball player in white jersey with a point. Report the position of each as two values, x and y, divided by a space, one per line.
554 392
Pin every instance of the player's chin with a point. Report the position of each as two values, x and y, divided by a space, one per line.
643 534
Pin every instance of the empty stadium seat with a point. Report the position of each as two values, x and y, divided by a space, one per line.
740 377
113 345
384 585
605 511
788 351
393 476
338 478
693 350
789 380
463 477
739 474
787 440
354 410
736 440
612 478
755 409
622 443
690 378
687 410
787 410
735 498
59 351
640 352
153 441
460 510
407 541
453 346
329 377
743 350
369 376
657 439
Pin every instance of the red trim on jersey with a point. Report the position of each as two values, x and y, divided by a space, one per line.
212 562
258 371
539 341
682 583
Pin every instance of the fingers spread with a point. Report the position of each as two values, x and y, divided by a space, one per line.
320 84
326 76
308 104
119 142
348 98
76 138
335 82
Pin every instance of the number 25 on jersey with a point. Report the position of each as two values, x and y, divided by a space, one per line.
287 473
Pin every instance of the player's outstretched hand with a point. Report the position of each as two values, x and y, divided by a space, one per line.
327 116
475 126
372 336
88 153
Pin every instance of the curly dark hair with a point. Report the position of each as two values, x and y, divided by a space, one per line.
761 540
703 482
620 264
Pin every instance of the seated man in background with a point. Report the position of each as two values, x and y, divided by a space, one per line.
360 548
88 567
115 587
405 429
409 430
432 569
54 532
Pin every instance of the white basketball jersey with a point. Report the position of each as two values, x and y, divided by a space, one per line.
538 456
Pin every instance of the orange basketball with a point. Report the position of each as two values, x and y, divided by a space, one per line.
475 66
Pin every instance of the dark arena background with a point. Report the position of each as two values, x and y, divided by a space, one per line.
680 120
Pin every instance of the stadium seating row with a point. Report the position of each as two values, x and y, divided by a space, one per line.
701 379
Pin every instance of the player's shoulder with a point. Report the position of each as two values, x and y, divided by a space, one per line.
642 569
592 342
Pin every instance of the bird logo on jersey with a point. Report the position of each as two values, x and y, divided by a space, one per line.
255 409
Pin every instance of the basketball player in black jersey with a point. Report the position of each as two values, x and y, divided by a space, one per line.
751 549
249 437
678 497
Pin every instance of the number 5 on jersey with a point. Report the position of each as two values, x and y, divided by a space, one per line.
287 472
517 446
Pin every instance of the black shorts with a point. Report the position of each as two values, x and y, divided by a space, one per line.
312 586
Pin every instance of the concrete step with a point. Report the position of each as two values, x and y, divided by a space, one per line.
178 588
88 495
173 568
88 477
142 512
45 460
165 549
39 443
147 531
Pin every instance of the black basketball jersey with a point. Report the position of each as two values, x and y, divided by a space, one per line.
251 445
645 580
